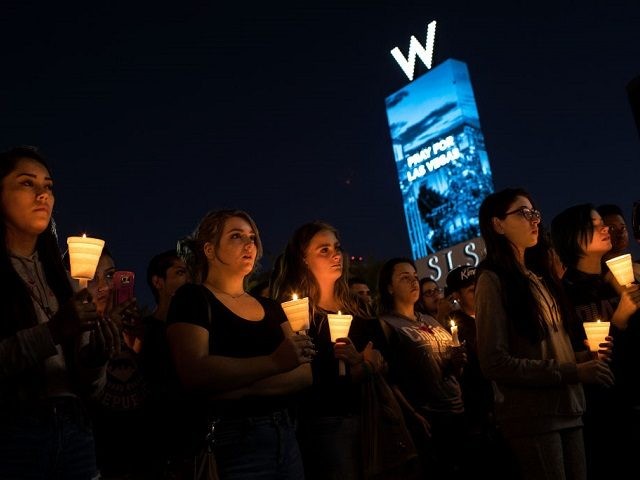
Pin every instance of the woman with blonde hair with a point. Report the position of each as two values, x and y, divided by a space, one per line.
237 353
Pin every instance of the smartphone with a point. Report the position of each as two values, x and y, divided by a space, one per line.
123 286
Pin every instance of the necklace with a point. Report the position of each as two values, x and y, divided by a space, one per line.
217 290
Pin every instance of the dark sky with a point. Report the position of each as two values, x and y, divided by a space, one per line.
153 115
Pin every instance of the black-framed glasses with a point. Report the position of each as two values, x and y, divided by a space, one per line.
529 214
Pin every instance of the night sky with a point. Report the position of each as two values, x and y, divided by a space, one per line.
153 116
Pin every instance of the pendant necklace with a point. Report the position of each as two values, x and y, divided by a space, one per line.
217 290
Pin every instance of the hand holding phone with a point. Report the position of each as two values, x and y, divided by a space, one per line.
123 286
125 312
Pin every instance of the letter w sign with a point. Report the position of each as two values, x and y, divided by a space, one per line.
415 48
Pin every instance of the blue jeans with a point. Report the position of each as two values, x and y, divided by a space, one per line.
54 442
258 448
332 448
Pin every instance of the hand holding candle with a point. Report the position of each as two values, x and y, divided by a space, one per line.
454 334
596 334
622 269
297 312
84 255
339 328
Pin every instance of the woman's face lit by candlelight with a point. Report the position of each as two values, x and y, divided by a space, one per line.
27 199
323 256
101 287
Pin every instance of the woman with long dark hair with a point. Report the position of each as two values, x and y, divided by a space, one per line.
425 367
583 240
48 361
524 346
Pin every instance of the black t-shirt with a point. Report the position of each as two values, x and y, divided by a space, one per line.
591 296
168 408
331 394
594 298
155 358
477 391
118 414
232 336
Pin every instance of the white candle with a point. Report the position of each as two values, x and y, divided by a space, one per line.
297 312
596 333
339 328
454 333
84 255
622 269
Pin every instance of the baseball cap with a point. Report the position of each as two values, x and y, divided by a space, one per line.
460 277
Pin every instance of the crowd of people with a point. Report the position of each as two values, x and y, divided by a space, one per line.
491 375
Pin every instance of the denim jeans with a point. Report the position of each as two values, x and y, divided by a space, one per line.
331 448
55 442
258 448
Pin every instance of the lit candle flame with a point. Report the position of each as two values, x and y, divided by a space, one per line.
455 341
84 235
294 296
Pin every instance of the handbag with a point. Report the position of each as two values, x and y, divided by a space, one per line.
202 465
387 443
204 461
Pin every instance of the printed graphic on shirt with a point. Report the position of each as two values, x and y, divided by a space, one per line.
125 388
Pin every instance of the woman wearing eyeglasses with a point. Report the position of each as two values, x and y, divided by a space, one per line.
433 302
524 347
430 294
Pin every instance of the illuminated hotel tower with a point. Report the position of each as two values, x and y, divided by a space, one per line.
440 155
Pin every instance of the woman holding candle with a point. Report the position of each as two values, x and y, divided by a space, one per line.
313 265
49 364
524 347
613 217
236 353
582 240
117 411
425 366
125 315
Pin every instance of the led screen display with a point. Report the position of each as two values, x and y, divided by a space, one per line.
439 151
